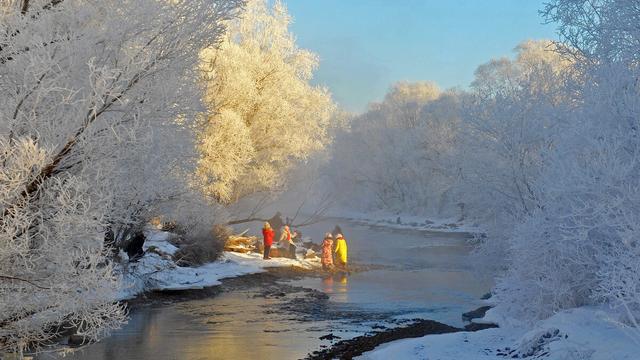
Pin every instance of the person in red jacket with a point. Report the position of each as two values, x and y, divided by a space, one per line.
267 235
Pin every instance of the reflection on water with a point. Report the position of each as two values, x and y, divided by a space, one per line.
425 275
327 285
236 325
343 282
336 285
441 295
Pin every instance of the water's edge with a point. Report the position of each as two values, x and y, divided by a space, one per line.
273 281
294 312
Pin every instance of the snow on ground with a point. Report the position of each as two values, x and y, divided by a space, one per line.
157 271
579 334
160 240
406 221
255 259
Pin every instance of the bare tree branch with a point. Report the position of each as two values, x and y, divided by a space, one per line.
11 278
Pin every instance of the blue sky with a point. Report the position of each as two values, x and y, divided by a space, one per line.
367 45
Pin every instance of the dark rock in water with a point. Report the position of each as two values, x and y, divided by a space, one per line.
475 314
78 340
486 296
329 337
398 220
478 327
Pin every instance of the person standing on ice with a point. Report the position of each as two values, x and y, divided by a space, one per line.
286 241
267 236
327 252
341 252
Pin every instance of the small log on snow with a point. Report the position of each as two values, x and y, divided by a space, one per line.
241 244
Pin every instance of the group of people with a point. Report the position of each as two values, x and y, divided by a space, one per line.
334 252
286 240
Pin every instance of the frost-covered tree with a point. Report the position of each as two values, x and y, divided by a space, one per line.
53 269
264 115
510 120
91 91
390 158
580 246
404 101
459 153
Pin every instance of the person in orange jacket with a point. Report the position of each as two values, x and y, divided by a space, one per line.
327 253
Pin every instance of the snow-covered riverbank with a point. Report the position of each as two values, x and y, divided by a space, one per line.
585 333
581 333
157 271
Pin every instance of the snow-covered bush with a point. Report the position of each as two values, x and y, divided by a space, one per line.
53 268
513 116
580 246
203 247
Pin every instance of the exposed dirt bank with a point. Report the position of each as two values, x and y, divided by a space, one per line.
348 349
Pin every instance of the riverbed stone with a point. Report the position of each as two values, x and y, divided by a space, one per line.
477 327
475 314
77 340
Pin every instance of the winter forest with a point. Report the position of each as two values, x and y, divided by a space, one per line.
146 144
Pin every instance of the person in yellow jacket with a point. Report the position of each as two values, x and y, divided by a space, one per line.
341 252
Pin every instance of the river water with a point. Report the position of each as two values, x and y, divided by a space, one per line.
417 275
